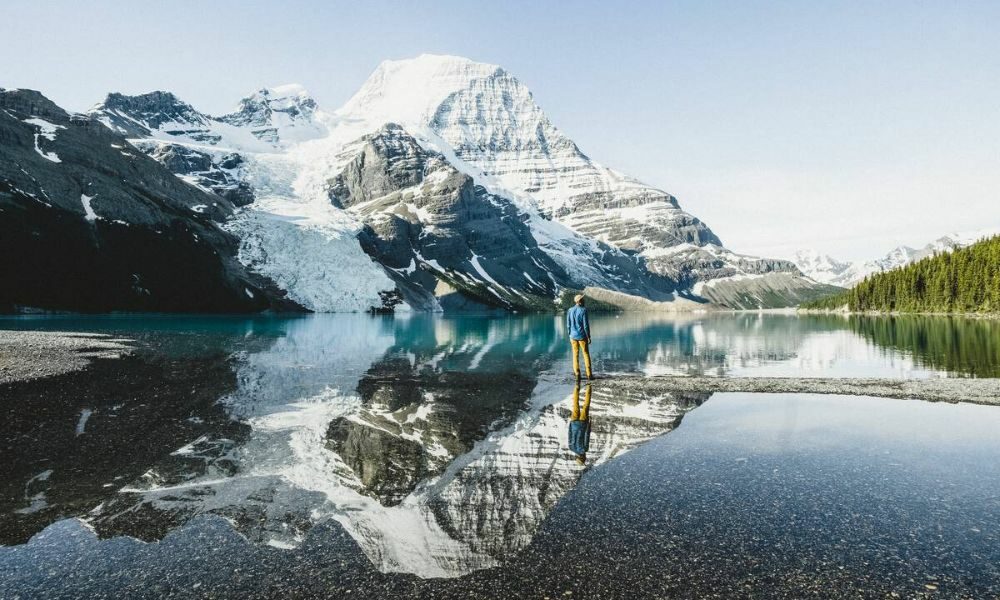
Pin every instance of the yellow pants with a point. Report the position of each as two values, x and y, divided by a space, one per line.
577 346
578 413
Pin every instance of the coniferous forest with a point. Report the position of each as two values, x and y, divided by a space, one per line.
965 280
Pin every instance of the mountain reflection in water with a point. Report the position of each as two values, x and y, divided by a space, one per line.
432 471
439 444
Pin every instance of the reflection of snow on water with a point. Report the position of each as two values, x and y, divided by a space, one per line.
484 500
483 504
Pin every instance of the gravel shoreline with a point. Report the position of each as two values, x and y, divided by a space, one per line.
27 355
976 391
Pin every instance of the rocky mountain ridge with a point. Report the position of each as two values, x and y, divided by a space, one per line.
441 185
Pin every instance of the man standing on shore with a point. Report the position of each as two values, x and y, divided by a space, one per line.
578 326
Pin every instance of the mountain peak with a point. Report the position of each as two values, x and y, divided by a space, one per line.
411 90
438 63
138 115
292 100
157 101
278 114
287 90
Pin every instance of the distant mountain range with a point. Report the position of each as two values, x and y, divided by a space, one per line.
826 269
964 279
441 185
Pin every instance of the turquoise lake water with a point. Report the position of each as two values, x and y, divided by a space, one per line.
427 456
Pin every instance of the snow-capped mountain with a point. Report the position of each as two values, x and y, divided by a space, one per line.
266 120
440 185
826 269
490 121
278 115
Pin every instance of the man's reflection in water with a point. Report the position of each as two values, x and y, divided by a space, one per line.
579 425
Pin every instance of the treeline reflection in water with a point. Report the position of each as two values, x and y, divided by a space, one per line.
956 345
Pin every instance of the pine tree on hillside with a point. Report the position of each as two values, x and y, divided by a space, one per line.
963 280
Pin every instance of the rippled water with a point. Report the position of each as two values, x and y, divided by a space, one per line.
355 453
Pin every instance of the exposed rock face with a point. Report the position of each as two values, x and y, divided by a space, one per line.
248 162
219 175
139 116
692 264
439 234
428 223
774 289
273 114
492 122
94 224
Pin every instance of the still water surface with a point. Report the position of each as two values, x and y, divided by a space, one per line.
714 344
429 455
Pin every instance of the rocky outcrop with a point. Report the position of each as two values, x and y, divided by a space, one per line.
275 115
492 122
316 259
429 224
91 223
446 240
218 174
140 116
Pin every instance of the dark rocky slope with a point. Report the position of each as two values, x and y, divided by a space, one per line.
90 223
440 236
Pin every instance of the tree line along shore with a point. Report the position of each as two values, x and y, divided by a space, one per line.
965 280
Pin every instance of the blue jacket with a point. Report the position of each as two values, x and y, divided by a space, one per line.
578 323
579 436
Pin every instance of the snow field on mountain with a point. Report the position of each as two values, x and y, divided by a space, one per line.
294 235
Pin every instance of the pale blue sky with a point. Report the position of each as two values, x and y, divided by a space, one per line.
848 127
